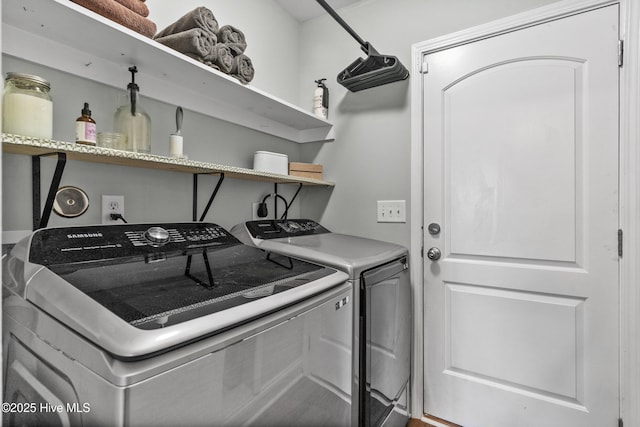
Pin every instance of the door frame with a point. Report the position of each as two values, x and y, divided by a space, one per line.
629 187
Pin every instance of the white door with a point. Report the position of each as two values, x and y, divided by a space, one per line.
521 175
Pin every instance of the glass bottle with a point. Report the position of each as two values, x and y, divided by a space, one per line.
86 127
27 106
132 121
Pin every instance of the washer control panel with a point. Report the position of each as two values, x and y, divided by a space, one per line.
275 229
66 245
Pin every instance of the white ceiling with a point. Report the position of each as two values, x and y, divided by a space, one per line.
303 10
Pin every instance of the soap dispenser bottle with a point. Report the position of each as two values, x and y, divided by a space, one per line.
132 121
321 100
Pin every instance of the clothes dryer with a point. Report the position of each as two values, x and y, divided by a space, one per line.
378 272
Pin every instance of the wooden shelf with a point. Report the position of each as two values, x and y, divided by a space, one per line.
70 38
16 144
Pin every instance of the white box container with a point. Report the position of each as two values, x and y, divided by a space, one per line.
266 161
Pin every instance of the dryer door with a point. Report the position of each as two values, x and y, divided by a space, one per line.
385 354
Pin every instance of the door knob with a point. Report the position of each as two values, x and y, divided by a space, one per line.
434 254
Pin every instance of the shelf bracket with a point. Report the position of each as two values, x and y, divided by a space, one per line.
284 215
41 219
195 197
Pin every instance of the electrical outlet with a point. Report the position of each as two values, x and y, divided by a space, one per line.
392 211
112 205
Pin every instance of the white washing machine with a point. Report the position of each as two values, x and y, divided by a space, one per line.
164 325
378 272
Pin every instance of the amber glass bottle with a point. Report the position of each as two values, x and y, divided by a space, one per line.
86 127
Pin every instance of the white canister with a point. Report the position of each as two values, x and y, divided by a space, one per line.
175 145
27 107
266 161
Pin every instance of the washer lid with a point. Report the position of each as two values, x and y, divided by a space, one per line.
178 287
136 297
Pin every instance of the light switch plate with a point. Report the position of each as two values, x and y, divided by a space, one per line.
392 211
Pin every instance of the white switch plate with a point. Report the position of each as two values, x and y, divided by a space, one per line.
392 211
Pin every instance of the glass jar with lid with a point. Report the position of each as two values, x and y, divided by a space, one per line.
131 120
27 106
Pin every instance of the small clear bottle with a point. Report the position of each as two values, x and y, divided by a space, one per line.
27 106
86 127
132 121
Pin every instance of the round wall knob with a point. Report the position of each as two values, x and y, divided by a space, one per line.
434 254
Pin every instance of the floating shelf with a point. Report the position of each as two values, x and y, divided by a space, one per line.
16 144
70 38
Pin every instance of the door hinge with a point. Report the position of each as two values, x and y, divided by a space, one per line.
619 243
422 252
620 52
424 66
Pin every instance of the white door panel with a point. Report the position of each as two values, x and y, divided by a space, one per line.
494 184
481 319
521 172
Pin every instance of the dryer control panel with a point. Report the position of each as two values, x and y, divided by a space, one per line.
276 229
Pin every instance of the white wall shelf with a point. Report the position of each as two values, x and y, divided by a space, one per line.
16 144
70 38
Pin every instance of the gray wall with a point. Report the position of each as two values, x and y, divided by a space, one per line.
150 195
166 196
369 159
271 33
